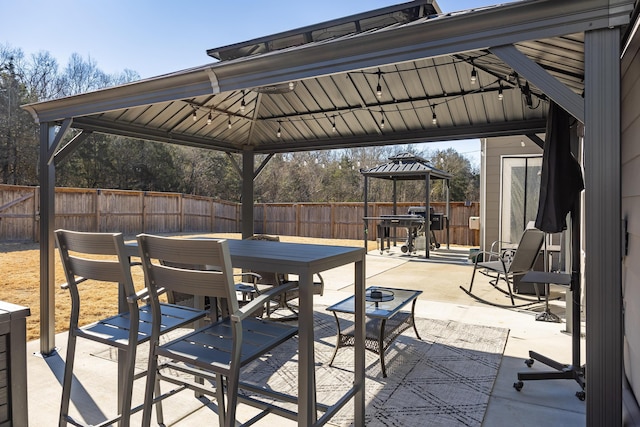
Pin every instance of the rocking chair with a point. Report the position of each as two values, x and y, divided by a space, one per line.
518 263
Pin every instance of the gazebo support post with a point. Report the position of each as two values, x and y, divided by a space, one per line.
366 212
247 192
47 247
427 213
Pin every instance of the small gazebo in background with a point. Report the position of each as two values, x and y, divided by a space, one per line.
407 166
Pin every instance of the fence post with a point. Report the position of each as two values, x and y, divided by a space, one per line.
36 200
265 214
144 211
97 205
332 219
181 209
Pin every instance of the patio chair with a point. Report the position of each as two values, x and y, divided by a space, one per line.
217 351
92 262
247 289
507 266
268 280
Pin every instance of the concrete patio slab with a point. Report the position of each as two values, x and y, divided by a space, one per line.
539 402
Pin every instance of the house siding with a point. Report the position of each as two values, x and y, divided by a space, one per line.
630 210
493 149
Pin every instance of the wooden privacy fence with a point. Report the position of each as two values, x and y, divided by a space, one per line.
133 212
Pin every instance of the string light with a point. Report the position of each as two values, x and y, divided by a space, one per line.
434 118
195 115
229 123
382 121
474 76
209 118
500 94
333 124
242 103
379 87
292 85
279 133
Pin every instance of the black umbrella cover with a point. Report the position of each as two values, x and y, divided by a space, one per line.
561 181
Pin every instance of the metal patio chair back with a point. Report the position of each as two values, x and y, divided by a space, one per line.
216 351
270 279
91 262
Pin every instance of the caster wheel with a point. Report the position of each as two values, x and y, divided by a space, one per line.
529 362
518 385
581 395
437 245
404 249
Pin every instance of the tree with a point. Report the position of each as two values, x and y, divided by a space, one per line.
464 184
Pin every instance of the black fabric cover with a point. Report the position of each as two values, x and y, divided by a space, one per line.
561 179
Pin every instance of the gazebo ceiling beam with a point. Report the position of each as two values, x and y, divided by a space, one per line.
411 137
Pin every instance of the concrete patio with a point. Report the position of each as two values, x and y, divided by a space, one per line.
543 402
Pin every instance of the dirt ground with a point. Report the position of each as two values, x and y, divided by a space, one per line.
20 283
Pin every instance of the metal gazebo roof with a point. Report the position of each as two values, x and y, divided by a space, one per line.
406 166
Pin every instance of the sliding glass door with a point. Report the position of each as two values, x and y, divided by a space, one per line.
520 192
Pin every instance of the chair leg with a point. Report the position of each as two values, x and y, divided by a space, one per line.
151 386
222 412
473 276
232 398
159 412
506 279
68 377
127 387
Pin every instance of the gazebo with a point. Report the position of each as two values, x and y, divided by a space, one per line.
407 166
473 74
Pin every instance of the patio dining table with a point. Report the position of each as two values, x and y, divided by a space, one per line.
305 260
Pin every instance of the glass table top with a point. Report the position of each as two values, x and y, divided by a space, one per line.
380 302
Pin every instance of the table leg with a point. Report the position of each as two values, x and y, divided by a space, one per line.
381 348
413 318
338 341
307 414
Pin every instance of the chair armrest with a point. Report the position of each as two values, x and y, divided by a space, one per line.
262 299
316 292
78 280
255 276
486 256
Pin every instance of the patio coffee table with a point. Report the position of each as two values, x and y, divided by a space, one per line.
384 321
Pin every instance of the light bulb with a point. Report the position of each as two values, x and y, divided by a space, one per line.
379 91
242 105
279 133
434 119
195 115
522 143
209 118
474 76
229 123
382 123
291 86
500 94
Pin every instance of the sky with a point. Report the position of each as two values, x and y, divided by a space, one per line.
155 37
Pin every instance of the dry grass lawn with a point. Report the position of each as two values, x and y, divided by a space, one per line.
20 283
